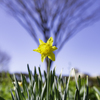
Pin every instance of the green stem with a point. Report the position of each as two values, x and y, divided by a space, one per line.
48 71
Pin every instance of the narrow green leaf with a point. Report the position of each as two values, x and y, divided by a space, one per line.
87 91
18 90
75 98
40 73
43 91
96 90
45 75
66 90
79 82
98 80
12 96
29 71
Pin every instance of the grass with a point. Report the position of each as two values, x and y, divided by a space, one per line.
48 87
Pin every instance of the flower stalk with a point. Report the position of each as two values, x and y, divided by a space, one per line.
48 72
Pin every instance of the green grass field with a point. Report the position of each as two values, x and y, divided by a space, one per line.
48 87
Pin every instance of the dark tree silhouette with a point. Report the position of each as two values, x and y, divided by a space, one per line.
4 60
61 19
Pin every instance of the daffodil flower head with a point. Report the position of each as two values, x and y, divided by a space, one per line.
20 84
46 49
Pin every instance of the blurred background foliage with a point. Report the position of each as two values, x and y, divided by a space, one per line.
5 85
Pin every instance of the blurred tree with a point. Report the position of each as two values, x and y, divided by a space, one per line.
61 19
4 60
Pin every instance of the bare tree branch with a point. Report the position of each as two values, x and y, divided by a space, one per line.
60 18
4 60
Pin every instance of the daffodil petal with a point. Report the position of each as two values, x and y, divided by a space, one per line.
50 41
42 57
54 48
40 41
51 56
37 50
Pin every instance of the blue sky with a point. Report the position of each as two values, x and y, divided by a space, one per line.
81 52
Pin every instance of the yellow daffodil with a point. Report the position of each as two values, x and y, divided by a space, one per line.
20 84
46 49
